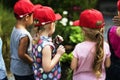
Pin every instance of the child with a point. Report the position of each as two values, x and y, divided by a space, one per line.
113 73
21 41
91 56
46 58
3 74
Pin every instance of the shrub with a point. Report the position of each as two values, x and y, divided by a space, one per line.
65 64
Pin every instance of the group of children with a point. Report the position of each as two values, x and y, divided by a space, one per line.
37 57
40 60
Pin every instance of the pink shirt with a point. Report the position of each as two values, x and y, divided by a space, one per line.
115 41
84 52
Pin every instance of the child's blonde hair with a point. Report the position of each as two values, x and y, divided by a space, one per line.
39 30
97 36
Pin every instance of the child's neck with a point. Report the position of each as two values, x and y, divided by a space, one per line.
87 39
20 25
43 34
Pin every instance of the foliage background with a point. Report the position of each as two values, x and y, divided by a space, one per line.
73 6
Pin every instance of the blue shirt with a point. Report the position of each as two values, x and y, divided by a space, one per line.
2 64
17 65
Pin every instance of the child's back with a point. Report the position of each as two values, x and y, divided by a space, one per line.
91 56
85 52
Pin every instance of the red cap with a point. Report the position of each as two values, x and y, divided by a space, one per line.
118 5
22 8
45 15
90 18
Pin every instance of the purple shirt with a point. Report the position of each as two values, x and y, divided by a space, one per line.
84 52
115 41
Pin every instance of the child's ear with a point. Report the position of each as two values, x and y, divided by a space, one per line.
26 17
51 25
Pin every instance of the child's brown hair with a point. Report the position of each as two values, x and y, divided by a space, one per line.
96 35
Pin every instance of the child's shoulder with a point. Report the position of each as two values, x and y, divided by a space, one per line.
112 28
78 44
85 43
112 33
43 43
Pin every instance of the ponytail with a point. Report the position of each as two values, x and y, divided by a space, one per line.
36 37
96 35
98 59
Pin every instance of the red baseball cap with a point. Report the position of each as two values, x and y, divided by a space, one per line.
22 8
118 5
90 18
45 15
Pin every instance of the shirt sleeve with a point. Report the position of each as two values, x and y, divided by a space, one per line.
108 53
75 52
23 35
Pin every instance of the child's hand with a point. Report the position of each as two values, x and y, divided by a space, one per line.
58 39
116 20
61 50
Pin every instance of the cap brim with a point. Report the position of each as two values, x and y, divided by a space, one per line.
76 23
58 16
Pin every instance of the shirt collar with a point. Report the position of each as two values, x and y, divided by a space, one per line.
46 38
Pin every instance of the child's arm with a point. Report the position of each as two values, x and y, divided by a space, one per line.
22 50
74 63
107 62
47 62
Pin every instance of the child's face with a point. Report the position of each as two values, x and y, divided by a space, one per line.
31 19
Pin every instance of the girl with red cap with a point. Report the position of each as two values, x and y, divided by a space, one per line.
92 55
46 56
